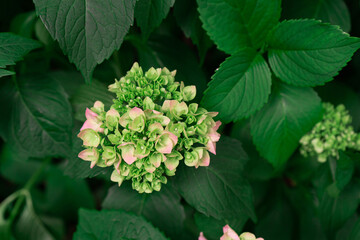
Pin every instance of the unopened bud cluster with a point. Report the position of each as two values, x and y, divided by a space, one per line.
332 134
148 130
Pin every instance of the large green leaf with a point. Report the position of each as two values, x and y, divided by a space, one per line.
277 128
309 52
12 49
235 24
163 209
150 13
114 225
40 119
331 11
87 31
355 233
240 87
219 190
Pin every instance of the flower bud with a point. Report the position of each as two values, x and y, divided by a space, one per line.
98 107
229 234
166 142
152 74
189 93
157 158
109 155
116 177
172 160
148 103
127 152
112 118
90 154
90 137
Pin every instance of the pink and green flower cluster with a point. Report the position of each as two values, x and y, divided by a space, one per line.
145 138
230 234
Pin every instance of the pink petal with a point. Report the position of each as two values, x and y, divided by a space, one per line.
128 157
229 233
201 237
93 124
211 146
166 149
135 112
173 137
98 104
113 112
90 114
205 160
214 136
92 164
217 125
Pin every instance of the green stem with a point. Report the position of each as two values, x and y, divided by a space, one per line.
29 184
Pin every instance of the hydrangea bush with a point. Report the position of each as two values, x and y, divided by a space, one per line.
149 130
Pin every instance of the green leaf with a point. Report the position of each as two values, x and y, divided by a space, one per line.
150 13
235 24
87 31
309 52
163 209
114 225
277 128
164 51
40 118
220 190
240 87
332 11
187 17
12 49
28 225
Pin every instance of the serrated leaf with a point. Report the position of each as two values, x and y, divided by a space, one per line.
290 113
114 224
150 13
12 49
219 190
332 11
235 24
87 31
309 52
40 118
163 209
240 87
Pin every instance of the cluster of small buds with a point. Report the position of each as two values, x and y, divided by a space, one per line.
157 84
145 142
230 234
332 134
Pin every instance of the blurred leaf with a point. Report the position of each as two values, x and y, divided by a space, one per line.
87 94
276 221
331 11
220 190
111 224
28 225
163 51
150 13
240 87
89 31
277 128
40 120
334 212
187 17
64 196
355 233
13 48
163 209
212 228
23 24
308 52
236 24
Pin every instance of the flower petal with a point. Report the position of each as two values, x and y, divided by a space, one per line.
135 112
229 234
201 236
211 146
90 114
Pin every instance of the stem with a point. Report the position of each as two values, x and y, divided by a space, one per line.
30 183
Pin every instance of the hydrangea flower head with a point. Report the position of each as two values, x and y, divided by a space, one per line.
149 130
332 134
